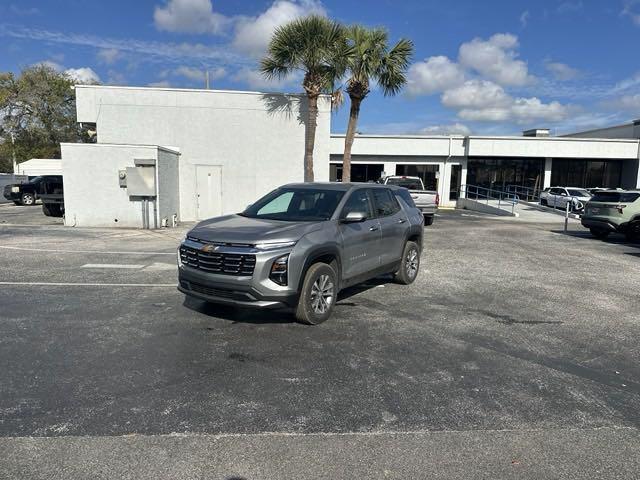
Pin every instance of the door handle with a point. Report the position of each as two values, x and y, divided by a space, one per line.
402 220
373 229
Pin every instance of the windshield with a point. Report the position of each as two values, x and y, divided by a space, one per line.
579 193
410 183
296 205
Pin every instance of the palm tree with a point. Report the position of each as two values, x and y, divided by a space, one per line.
370 60
318 48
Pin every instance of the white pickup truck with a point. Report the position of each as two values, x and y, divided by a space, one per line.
426 200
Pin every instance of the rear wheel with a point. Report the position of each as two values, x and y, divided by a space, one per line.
46 210
633 233
428 220
409 265
599 233
544 203
27 199
318 296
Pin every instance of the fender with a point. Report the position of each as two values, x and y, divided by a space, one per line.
319 252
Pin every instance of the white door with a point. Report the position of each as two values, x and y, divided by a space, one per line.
209 191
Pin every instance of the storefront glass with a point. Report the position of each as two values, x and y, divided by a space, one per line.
505 173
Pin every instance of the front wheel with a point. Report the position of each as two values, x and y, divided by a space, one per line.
318 296
599 233
544 203
27 199
409 265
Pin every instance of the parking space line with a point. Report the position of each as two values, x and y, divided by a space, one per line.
72 284
111 265
85 251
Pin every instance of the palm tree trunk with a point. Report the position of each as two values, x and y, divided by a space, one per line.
354 112
310 137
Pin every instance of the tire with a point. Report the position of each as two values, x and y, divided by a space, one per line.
314 309
28 199
428 219
632 235
599 233
409 265
52 209
544 202
46 210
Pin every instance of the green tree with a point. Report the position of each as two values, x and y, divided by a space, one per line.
317 47
371 60
37 112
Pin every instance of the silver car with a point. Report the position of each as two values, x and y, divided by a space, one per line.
299 245
558 197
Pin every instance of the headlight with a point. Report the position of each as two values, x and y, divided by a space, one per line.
15 189
179 258
274 246
279 270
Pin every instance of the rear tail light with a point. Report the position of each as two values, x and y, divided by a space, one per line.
620 208
437 199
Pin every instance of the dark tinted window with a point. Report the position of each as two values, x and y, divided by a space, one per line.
384 203
615 197
404 194
357 202
296 205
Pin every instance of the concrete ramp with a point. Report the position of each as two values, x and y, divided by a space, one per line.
493 207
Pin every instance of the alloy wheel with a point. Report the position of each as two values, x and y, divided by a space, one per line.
411 263
322 294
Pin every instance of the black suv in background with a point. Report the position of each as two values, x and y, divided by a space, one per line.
28 193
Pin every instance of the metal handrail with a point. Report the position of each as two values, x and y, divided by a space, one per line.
475 192
529 192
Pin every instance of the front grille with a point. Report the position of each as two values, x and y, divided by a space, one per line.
214 262
214 292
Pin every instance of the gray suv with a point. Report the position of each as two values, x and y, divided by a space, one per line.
299 245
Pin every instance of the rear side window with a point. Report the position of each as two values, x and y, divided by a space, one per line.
384 202
615 197
358 201
404 194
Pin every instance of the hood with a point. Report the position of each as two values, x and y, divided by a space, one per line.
239 229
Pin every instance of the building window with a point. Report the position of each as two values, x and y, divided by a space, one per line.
506 174
360 172
428 174
581 173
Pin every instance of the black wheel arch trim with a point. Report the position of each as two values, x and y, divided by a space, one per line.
317 253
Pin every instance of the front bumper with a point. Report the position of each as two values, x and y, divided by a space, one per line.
201 285
11 196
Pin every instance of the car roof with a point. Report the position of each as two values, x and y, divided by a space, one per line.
337 185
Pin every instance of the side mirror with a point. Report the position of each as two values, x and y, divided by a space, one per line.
354 217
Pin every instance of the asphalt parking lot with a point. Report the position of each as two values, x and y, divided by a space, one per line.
514 354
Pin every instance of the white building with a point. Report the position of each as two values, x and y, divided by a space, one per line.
39 166
225 149
233 147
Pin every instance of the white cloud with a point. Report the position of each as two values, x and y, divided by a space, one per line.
161 84
82 75
198 74
190 16
485 101
256 81
453 129
252 34
495 59
476 94
627 102
568 7
434 74
51 64
631 9
524 18
108 55
561 71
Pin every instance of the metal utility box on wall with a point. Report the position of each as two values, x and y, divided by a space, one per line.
141 181
96 195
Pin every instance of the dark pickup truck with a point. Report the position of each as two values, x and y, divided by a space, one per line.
47 188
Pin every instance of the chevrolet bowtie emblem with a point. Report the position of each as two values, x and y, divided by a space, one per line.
209 248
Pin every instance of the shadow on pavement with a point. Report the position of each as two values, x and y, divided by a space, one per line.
613 239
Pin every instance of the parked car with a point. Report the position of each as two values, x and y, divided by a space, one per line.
613 211
426 200
27 193
558 197
301 244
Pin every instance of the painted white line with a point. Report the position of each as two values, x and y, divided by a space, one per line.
111 265
64 284
86 251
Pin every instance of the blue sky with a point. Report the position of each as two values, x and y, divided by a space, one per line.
482 67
